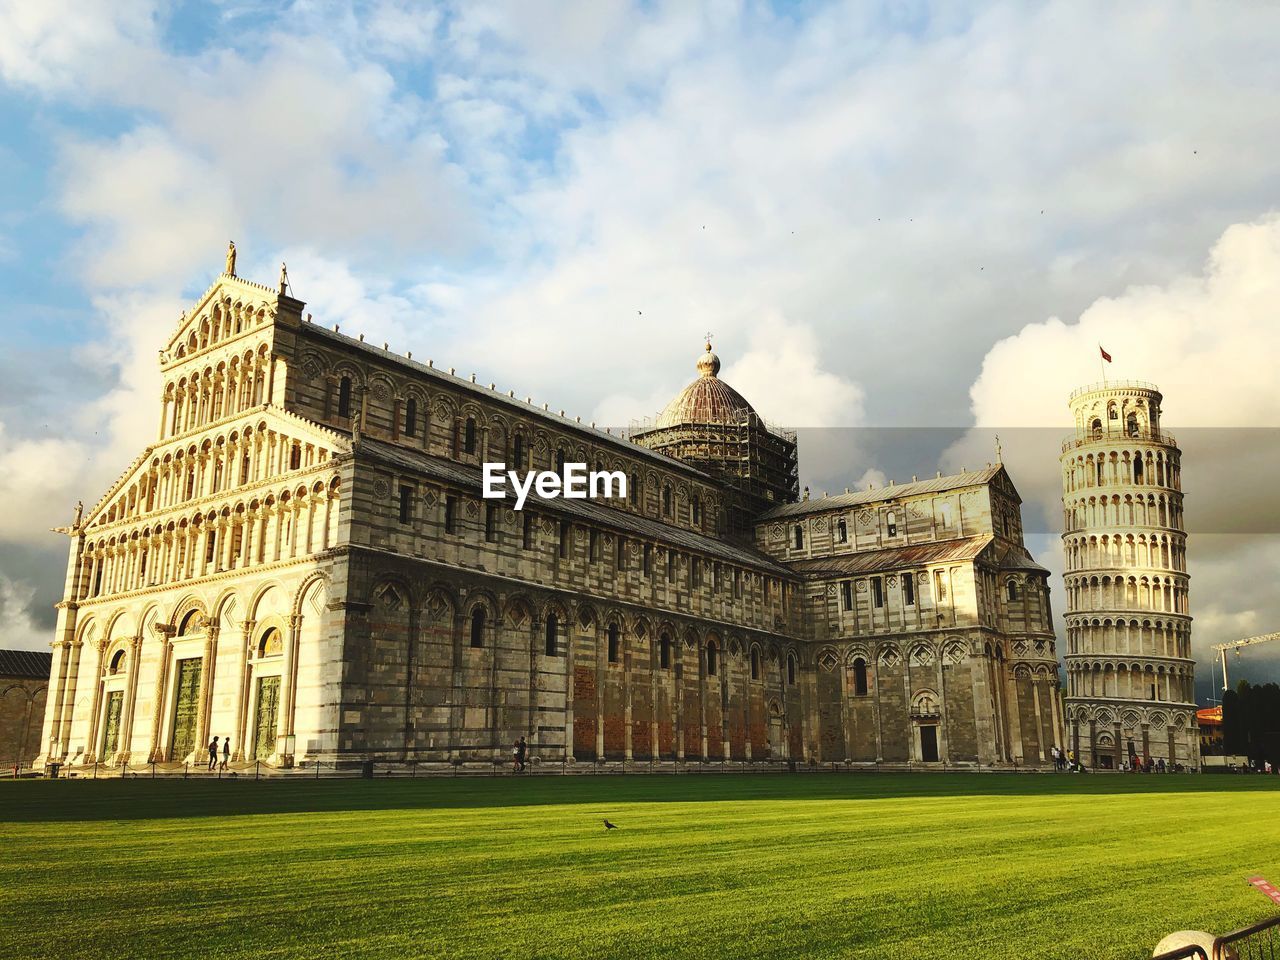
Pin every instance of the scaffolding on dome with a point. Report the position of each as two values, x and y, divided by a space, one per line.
758 463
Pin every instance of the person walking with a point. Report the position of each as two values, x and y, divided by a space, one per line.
226 752
213 753
515 757
522 751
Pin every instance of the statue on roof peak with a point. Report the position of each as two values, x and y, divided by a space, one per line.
231 258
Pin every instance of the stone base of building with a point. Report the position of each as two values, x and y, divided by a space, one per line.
355 766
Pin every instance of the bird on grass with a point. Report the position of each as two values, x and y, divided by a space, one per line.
610 826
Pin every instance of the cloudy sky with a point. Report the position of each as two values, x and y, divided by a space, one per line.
908 226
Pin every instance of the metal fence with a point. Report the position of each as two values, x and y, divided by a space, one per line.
1258 942
1190 952
382 766
1261 941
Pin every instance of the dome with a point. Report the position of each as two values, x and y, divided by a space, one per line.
707 400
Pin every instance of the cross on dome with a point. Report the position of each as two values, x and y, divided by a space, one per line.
708 364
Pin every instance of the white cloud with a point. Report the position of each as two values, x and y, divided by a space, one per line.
155 209
1208 338
782 374
18 628
40 480
858 201
54 46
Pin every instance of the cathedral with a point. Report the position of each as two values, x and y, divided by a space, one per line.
303 563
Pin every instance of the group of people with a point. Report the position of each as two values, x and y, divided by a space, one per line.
519 756
213 753
1136 764
1066 760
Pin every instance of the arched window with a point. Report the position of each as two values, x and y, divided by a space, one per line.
410 417
344 397
271 644
552 628
842 532
1111 412
664 652
799 536
1011 589
517 452
697 510
117 663
1137 469
712 658
891 521
613 643
755 663
477 627
469 436
560 460
1096 428
791 669
859 677
189 623
1131 424
666 501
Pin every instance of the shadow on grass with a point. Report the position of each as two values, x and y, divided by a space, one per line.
37 801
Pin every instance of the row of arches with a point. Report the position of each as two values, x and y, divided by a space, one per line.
226 318
289 523
1155 638
1124 468
1106 592
1119 413
1130 681
231 386
1150 511
1115 550
592 552
1129 719
482 613
22 708
634 683
251 696
218 464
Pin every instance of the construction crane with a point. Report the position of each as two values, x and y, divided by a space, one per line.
1235 645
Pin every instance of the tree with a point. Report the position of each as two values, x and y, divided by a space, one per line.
1251 722
1235 732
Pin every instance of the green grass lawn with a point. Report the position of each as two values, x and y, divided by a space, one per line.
738 866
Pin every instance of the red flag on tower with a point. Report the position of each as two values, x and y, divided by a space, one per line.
1105 356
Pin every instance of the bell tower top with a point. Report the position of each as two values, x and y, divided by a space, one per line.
1117 408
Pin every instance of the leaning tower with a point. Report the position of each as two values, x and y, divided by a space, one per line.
1130 676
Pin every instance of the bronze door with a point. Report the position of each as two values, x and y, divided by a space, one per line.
186 707
264 741
111 731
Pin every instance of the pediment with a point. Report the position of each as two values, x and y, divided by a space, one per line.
231 308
